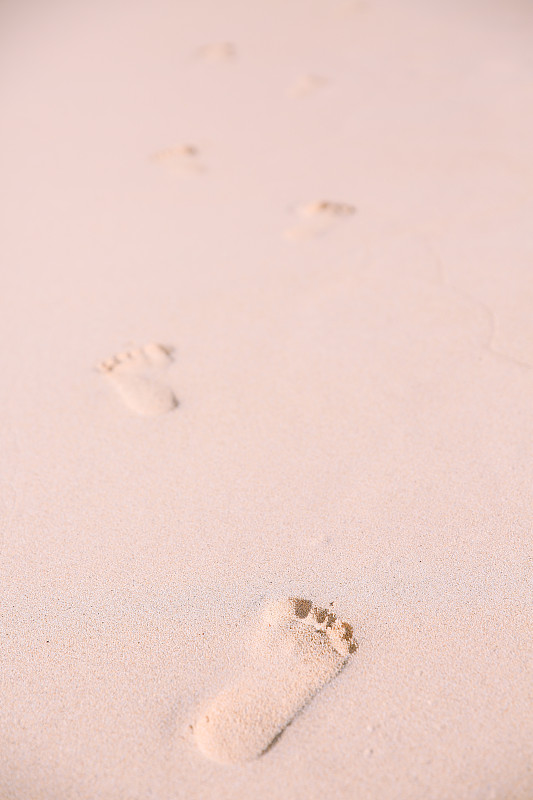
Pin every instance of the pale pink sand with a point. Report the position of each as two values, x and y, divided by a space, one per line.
355 404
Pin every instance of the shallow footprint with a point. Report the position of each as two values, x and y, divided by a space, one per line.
317 218
307 84
181 160
133 375
217 52
299 649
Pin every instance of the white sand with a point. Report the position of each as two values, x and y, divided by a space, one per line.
354 418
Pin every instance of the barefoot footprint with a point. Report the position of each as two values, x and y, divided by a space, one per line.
181 160
217 52
307 84
299 649
317 218
130 374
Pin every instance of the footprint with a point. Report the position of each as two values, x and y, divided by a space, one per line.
307 84
182 160
217 52
130 375
317 218
299 648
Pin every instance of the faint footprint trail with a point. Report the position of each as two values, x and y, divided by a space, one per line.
182 160
318 218
135 377
299 648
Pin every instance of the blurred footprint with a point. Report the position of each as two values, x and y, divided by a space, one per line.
318 218
182 160
307 84
217 52
134 375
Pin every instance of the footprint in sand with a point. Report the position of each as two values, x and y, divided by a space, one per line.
299 649
318 218
181 160
307 84
134 376
217 52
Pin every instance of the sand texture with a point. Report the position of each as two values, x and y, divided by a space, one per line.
266 312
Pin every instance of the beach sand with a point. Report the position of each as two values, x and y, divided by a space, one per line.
267 329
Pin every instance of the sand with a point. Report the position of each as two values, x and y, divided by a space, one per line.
296 237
